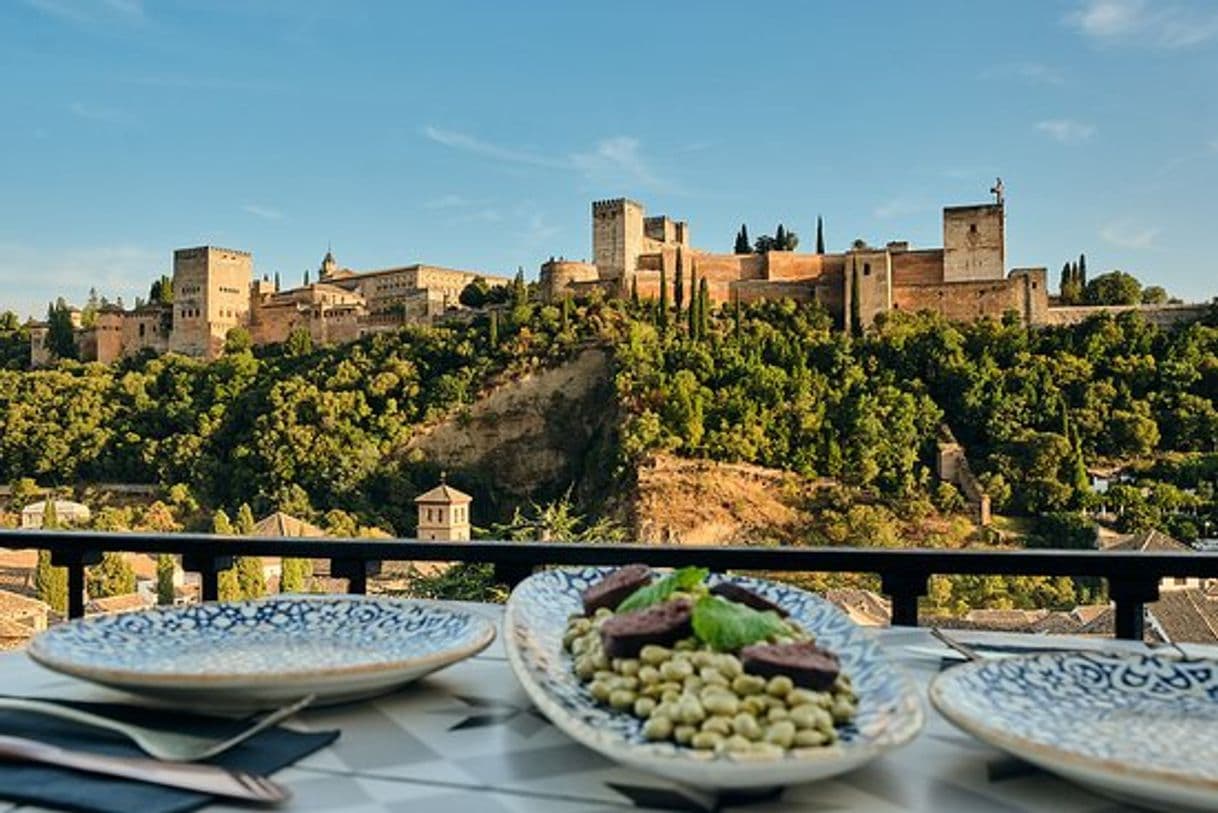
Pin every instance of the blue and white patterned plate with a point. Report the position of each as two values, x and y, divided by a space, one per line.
250 654
889 714
1137 726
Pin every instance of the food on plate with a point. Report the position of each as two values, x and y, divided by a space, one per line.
719 669
610 591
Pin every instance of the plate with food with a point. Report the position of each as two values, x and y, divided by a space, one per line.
718 681
1138 726
265 652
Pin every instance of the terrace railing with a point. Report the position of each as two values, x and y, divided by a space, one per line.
1133 577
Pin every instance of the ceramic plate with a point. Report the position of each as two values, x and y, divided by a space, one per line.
250 654
1142 727
889 714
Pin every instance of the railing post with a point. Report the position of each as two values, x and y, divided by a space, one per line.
1130 594
208 567
904 588
356 572
511 574
75 561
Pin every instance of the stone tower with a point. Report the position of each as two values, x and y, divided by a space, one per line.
210 297
974 243
617 239
328 267
443 514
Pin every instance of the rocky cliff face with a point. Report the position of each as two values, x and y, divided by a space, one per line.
531 438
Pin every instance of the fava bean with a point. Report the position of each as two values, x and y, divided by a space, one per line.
748 684
717 724
779 686
690 711
676 670
746 726
706 740
729 666
775 714
683 734
657 727
643 707
721 703
621 699
599 689
648 675
653 655
736 744
809 738
800 697
781 733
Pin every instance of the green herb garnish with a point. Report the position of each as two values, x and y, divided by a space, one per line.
686 578
728 626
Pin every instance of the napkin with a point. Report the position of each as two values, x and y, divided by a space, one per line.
49 786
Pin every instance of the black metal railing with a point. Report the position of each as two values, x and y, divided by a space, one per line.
1133 577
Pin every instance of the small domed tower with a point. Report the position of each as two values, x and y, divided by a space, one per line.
328 266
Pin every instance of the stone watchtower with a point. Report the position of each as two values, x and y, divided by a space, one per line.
210 297
443 514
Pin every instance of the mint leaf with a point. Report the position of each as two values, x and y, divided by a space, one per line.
684 579
728 626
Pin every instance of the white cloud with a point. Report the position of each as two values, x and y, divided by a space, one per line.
616 161
98 113
1158 24
897 207
449 201
264 212
86 12
1034 72
34 276
1127 234
1066 131
464 141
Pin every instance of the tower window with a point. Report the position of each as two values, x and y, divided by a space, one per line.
866 269
972 227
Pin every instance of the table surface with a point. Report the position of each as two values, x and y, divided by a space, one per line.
468 739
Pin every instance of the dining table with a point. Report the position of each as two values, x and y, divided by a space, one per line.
466 739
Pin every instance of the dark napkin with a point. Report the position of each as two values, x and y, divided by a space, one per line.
49 786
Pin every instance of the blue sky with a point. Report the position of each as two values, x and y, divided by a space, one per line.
475 134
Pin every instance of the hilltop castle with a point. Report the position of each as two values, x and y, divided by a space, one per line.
963 280
214 290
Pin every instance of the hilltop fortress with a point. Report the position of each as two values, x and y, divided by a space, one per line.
963 280
215 290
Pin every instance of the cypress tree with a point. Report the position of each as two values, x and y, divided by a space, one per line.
693 302
820 236
164 579
736 316
634 290
566 313
228 587
306 276
780 239
678 292
51 583
856 310
1064 287
703 308
493 331
276 281
662 314
1082 271
742 241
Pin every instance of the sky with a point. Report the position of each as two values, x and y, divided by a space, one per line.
476 134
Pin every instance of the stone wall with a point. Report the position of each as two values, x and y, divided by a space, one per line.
557 276
1161 315
210 296
148 327
919 267
966 301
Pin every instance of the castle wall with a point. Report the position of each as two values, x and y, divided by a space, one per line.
108 336
147 327
974 243
965 301
919 267
558 276
787 265
617 237
868 274
1161 315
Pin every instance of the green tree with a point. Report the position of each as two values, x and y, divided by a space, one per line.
251 583
520 291
112 576
476 294
1081 276
51 583
743 246
1114 288
492 336
820 236
693 303
566 313
229 589
662 313
703 308
306 278
277 286
161 291
679 285
61 335
299 342
1154 295
295 575
237 340
634 290
165 567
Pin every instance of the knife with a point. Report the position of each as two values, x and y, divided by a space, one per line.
209 779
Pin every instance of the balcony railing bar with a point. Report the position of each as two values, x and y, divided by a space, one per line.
1133 577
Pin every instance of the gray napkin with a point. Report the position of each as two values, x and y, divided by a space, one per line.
66 789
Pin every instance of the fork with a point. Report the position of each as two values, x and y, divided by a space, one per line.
168 746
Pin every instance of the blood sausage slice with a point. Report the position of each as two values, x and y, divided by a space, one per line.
623 635
741 595
614 588
804 662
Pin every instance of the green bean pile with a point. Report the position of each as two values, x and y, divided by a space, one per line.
704 699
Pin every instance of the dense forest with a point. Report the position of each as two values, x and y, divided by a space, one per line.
316 429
